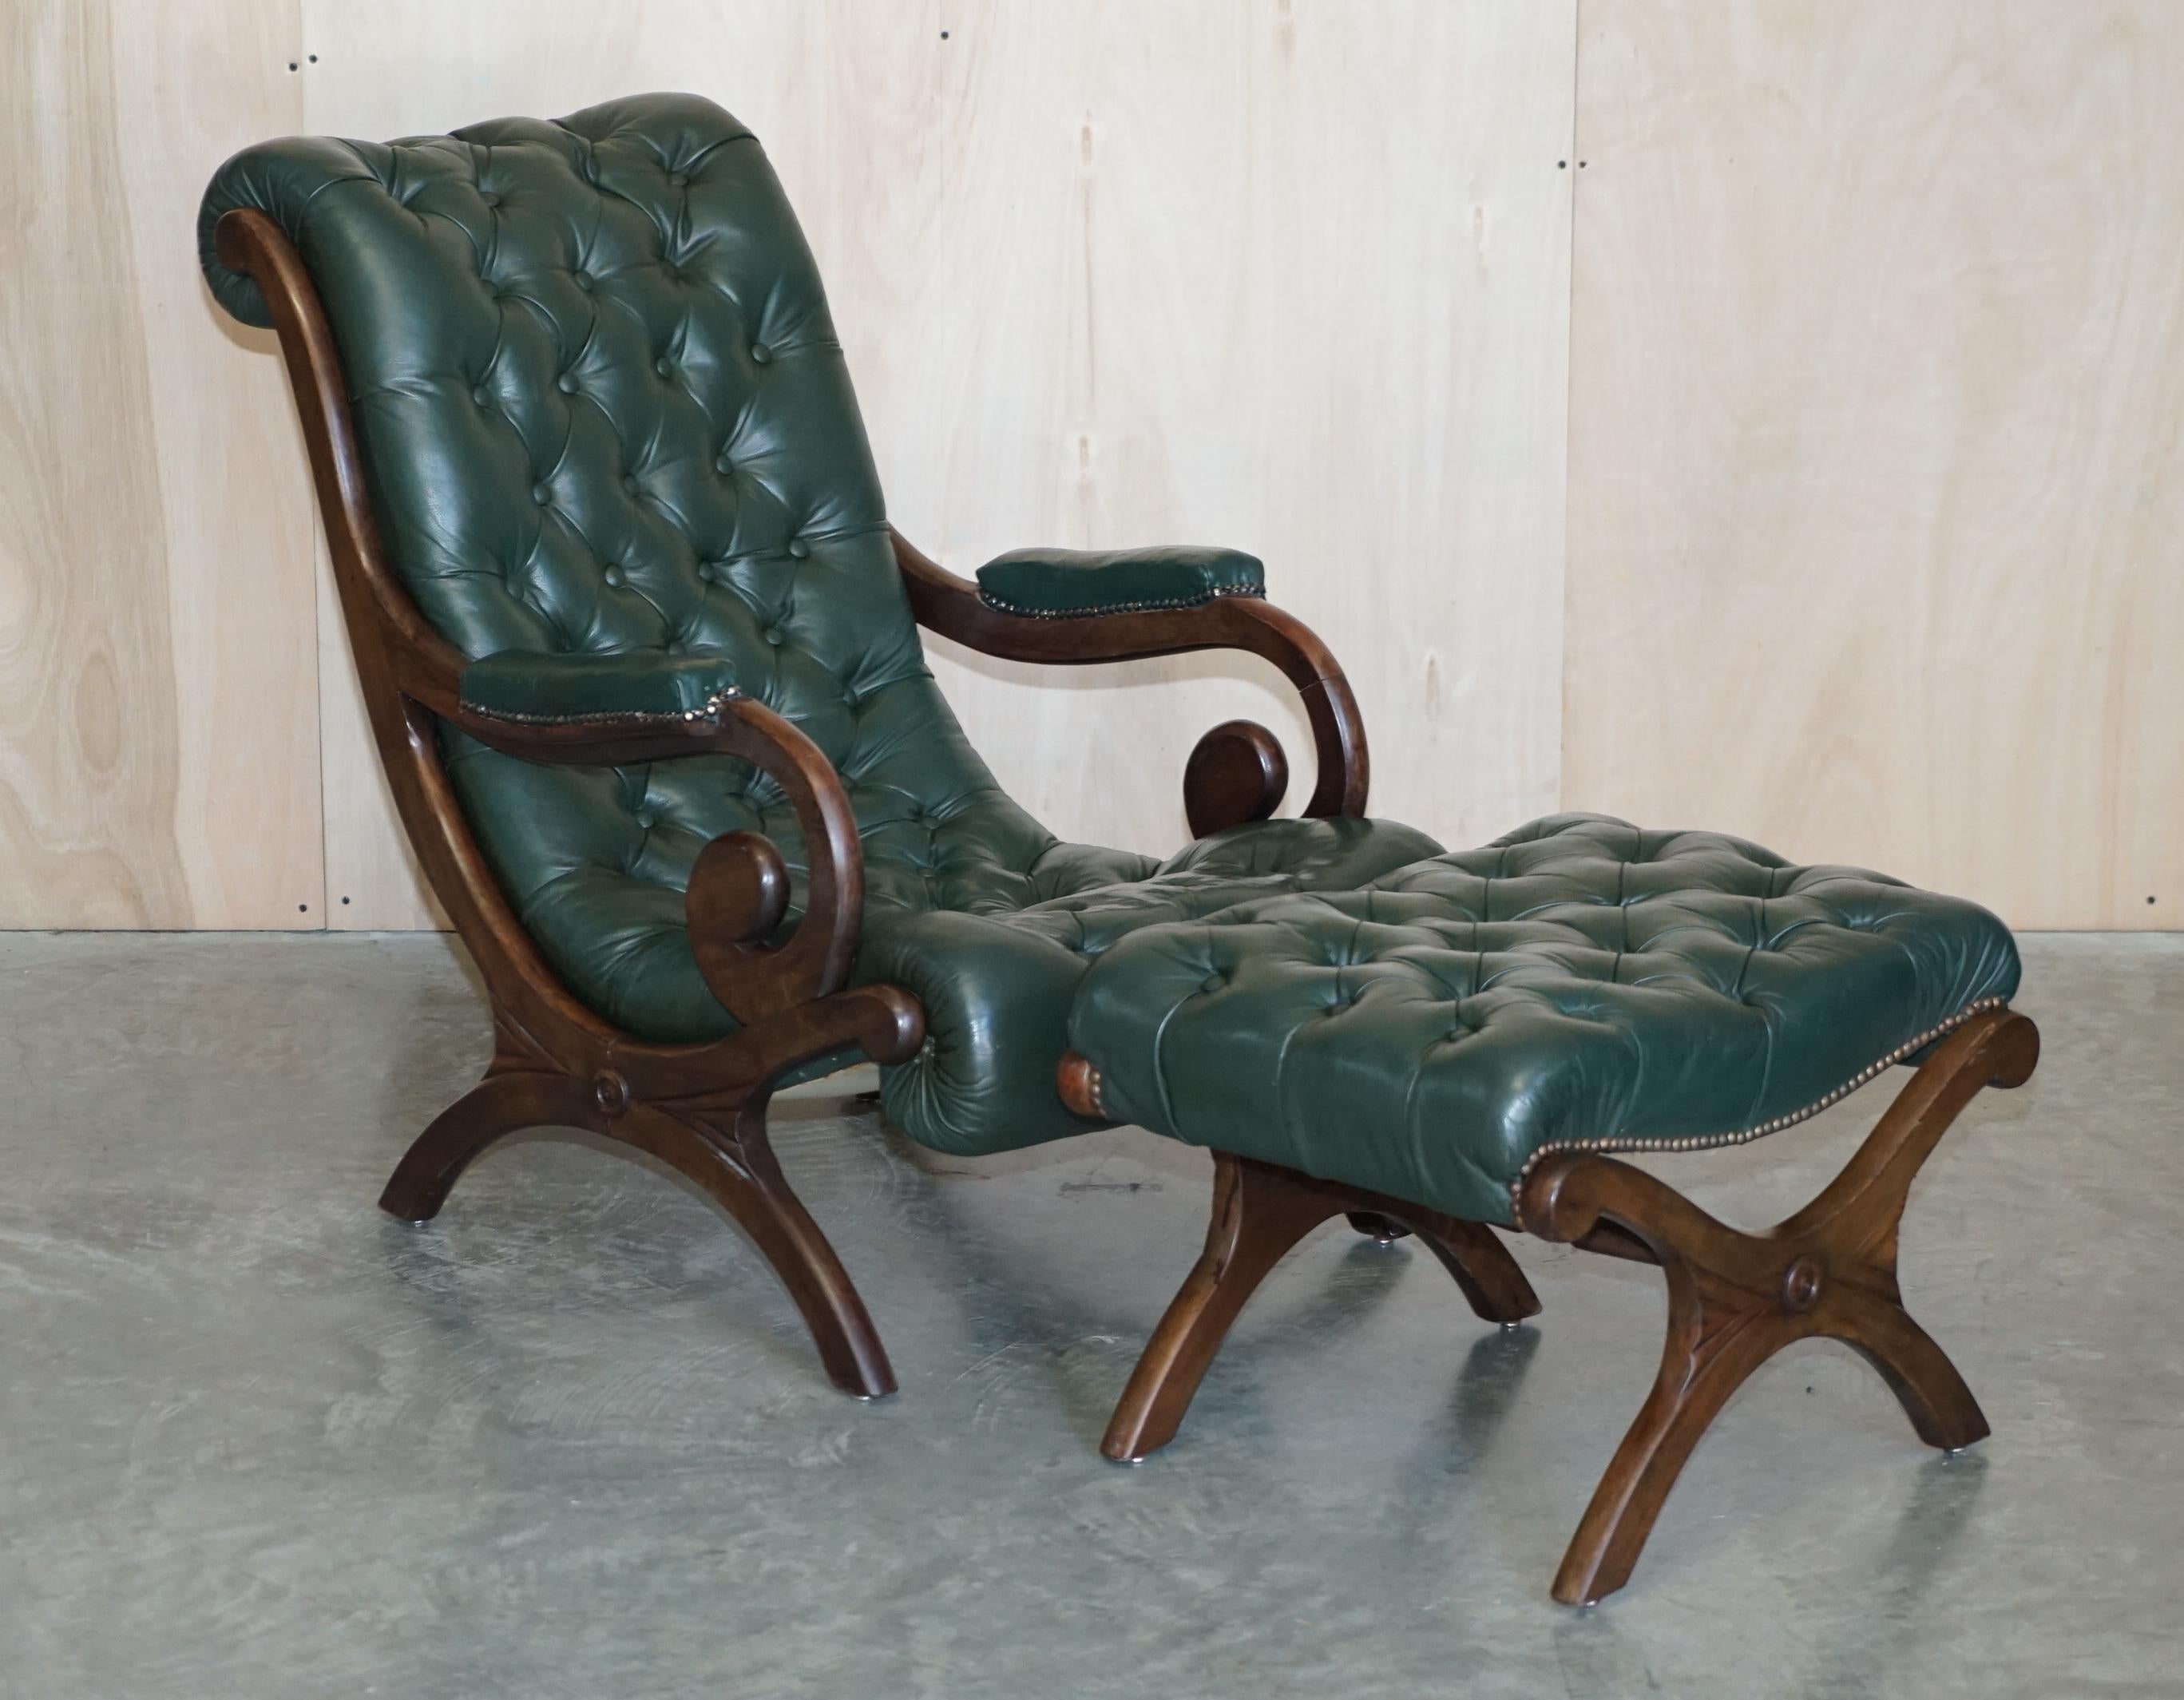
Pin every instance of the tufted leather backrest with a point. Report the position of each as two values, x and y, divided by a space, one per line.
602 408
601 396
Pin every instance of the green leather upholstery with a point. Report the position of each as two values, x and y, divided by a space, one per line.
1579 981
1067 583
613 451
547 690
997 981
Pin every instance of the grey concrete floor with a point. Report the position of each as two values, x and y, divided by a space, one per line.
258 1439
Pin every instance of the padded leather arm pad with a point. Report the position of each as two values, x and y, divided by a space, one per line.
543 688
1068 583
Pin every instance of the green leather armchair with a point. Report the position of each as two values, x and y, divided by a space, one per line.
641 654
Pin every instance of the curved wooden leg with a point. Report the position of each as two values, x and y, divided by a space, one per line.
1259 1212
1491 1283
1735 1299
1489 1278
712 1130
1487 1275
499 1105
1933 1395
743 1176
1712 1348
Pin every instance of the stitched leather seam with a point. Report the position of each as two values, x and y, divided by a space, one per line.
709 710
1198 601
1745 1135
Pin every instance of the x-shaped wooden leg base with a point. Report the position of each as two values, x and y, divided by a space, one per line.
1736 1299
1259 1212
704 1115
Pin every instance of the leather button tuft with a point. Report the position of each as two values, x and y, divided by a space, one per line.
760 353
566 383
486 197
1213 982
661 369
613 576
724 466
707 572
480 396
629 483
582 281
775 637
646 818
798 549
541 495
679 180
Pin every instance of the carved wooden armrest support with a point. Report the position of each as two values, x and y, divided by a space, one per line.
738 891
1237 772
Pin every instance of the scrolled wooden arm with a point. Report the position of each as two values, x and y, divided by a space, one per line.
739 890
1236 778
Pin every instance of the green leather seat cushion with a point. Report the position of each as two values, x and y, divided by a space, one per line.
1578 982
1064 583
996 983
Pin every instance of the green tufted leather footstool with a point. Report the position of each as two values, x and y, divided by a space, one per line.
1465 1042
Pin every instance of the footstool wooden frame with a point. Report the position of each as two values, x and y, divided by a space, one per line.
1735 1298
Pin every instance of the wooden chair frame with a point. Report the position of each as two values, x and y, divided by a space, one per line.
1735 1299
701 1108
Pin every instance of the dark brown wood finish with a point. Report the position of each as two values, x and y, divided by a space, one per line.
699 1108
952 606
1259 1212
1237 772
1735 1299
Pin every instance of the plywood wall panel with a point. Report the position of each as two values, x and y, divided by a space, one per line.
1878 384
158 760
1288 277
1870 376
1292 278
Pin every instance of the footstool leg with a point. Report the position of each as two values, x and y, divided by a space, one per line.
1260 1211
1383 1229
1736 1299
1489 1278
1715 1341
1933 1395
